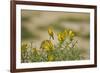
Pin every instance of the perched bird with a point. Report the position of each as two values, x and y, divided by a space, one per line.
50 32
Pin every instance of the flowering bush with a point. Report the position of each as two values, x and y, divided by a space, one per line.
65 49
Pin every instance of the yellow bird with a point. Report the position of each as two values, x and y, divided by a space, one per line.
50 32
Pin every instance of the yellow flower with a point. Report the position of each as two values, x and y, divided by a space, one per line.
50 32
62 36
71 34
34 50
50 58
24 46
65 32
47 45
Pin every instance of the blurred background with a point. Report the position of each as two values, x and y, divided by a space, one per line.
34 27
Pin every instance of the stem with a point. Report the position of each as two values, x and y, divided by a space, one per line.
74 44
